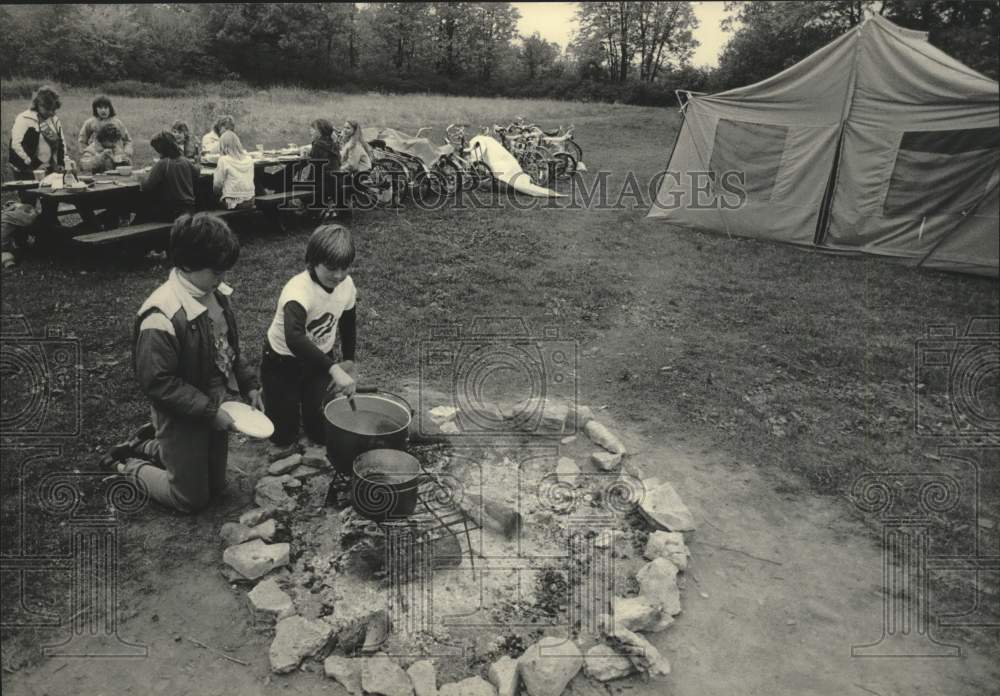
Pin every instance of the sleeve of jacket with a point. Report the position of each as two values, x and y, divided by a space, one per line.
156 364
86 131
17 133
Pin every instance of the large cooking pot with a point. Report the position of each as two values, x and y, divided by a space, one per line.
385 484
381 421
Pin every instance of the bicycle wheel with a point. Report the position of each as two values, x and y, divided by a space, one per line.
448 176
481 174
535 165
574 149
565 165
386 180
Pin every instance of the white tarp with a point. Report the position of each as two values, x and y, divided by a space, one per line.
506 168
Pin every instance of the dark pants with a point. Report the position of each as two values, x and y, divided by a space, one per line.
290 388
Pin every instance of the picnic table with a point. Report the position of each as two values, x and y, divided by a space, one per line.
111 191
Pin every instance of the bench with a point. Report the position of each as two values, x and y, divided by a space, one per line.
145 230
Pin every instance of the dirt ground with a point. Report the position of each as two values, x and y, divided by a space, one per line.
779 588
783 580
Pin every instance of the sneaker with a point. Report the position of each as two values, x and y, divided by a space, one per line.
126 449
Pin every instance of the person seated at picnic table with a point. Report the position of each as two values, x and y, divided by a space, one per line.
106 151
187 361
189 148
36 138
298 368
210 141
233 178
356 155
324 153
104 113
169 186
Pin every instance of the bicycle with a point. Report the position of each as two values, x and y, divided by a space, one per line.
469 160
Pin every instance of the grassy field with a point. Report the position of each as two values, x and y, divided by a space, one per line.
799 364
278 116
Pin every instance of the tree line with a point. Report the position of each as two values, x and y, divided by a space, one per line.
634 52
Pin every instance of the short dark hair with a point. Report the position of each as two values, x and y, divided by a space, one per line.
165 144
203 241
224 120
330 245
108 133
47 97
181 126
324 127
102 100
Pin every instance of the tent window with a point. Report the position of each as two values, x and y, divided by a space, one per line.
940 172
752 148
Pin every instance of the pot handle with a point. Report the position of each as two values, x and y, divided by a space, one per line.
372 389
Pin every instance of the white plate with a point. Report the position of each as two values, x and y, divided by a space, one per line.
248 419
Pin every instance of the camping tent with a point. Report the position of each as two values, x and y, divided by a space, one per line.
877 143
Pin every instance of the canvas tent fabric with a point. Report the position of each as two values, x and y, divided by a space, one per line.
877 143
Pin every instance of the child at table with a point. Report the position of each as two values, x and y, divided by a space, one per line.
169 185
186 355
104 113
210 141
185 142
106 151
233 179
298 364
36 138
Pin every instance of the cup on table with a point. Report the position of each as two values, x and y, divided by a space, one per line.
39 174
124 170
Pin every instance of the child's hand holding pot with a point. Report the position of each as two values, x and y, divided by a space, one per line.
341 382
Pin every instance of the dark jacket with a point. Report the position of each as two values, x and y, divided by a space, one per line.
24 138
174 354
326 150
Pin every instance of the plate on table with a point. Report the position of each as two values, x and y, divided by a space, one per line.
249 420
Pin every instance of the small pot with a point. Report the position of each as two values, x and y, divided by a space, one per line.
385 484
381 421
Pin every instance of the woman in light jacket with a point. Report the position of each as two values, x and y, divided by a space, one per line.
36 138
233 178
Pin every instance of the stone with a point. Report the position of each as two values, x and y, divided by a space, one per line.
270 492
380 675
639 613
269 602
643 654
658 580
567 471
602 437
578 416
253 559
351 632
554 416
442 414
569 439
604 538
301 471
669 545
603 663
503 676
376 632
255 516
295 639
547 666
283 466
473 686
663 508
291 482
423 676
605 461
346 671
265 530
449 428
234 533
